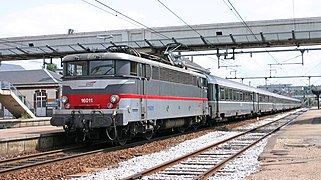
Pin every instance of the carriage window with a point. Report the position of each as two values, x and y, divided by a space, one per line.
102 67
234 95
226 94
222 93
248 96
230 92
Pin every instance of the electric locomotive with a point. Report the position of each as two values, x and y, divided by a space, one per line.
121 93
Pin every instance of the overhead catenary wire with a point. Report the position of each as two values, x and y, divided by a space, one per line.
238 15
110 12
179 18
118 12
193 29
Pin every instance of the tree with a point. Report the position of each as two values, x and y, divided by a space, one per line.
52 67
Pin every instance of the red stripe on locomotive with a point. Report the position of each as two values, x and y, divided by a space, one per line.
100 101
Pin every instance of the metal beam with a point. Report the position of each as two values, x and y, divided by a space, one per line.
149 44
72 48
174 40
262 37
293 35
232 38
83 47
111 42
53 50
254 51
284 77
22 50
203 39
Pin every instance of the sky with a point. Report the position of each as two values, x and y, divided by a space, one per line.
43 17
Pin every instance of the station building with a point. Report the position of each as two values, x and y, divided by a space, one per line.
41 89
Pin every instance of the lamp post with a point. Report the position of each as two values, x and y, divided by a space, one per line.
317 93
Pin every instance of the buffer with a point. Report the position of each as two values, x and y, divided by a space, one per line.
13 101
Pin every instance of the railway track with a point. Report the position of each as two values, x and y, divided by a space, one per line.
210 160
18 163
28 161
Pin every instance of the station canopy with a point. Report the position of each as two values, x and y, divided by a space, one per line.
255 34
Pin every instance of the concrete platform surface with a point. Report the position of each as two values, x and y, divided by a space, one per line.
27 132
18 140
294 152
18 123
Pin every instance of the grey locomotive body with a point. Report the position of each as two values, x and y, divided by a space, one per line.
120 95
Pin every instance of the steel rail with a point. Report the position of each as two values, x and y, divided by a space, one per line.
16 159
170 163
47 158
216 168
12 164
18 163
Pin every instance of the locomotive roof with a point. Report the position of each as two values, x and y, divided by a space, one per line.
228 83
124 56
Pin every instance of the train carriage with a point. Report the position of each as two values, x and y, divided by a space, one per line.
228 98
231 99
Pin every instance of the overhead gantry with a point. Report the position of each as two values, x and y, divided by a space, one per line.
219 36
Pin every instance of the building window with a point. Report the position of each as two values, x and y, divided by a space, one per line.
40 102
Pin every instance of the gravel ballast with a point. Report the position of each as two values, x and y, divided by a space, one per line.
248 161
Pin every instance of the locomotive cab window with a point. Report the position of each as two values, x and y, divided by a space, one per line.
76 68
202 82
102 67
85 68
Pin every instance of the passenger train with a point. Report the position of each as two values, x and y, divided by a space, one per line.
121 93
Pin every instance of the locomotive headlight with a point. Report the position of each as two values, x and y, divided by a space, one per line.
67 106
110 106
64 99
114 99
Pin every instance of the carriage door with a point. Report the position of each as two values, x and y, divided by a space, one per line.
255 104
40 102
142 90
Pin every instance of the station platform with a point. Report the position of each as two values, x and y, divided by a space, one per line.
294 152
18 140
18 123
